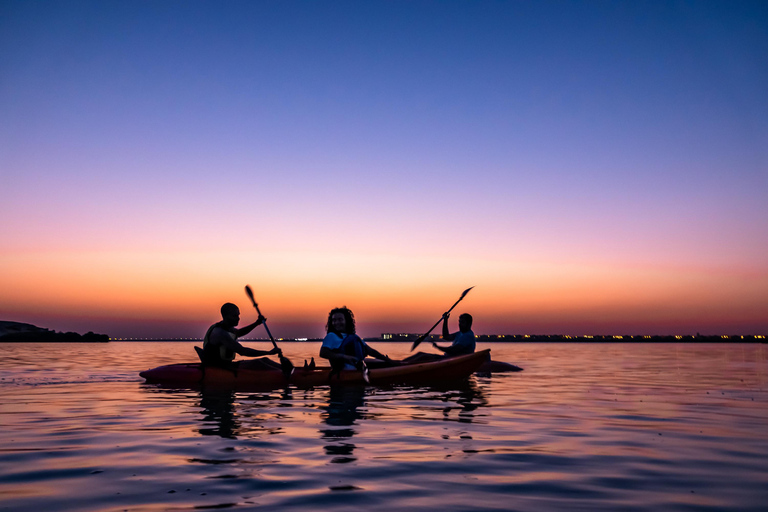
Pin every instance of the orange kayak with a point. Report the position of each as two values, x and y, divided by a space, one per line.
433 372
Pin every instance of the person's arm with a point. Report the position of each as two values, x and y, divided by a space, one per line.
446 335
464 343
333 355
438 347
252 352
449 351
235 346
375 353
248 328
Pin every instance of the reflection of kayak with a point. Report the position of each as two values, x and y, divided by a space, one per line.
191 374
498 367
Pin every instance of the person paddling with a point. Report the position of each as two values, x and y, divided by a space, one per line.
220 343
463 340
343 348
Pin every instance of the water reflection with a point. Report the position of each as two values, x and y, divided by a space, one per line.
229 414
343 411
460 402
601 426
218 414
348 411
468 399
341 414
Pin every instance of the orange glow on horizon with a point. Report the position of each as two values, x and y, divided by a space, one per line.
381 289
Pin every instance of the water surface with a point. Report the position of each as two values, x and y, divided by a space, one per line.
584 427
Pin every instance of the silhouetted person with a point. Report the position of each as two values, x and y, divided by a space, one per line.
341 346
463 340
220 343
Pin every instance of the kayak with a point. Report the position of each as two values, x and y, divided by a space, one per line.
433 372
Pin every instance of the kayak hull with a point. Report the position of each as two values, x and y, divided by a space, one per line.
194 375
490 366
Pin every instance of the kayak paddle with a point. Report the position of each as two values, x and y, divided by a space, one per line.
421 338
285 364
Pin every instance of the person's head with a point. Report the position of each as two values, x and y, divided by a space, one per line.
230 314
341 320
465 322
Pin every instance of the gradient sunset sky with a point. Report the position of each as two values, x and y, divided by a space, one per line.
590 167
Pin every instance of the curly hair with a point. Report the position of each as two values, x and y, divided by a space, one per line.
348 316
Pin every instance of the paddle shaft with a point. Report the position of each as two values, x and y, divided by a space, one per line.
421 338
285 363
438 322
258 311
265 324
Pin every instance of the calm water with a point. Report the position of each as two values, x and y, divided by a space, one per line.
584 427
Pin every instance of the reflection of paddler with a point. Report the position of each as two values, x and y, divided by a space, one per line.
218 410
220 343
343 348
341 415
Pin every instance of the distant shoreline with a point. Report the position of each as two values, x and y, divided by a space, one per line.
55 337
511 339
18 332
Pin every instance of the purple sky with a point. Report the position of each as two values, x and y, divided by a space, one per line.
589 166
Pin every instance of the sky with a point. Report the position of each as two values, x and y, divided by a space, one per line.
596 167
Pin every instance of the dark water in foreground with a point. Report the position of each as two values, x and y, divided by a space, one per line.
584 427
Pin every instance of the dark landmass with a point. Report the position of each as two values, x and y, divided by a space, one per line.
17 332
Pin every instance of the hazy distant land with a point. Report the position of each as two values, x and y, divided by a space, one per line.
696 338
522 338
21 332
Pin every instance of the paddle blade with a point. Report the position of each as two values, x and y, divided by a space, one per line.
249 292
417 342
287 366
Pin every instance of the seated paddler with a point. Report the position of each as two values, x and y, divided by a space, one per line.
220 343
343 348
463 341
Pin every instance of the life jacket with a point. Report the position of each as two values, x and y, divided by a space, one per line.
351 345
215 354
